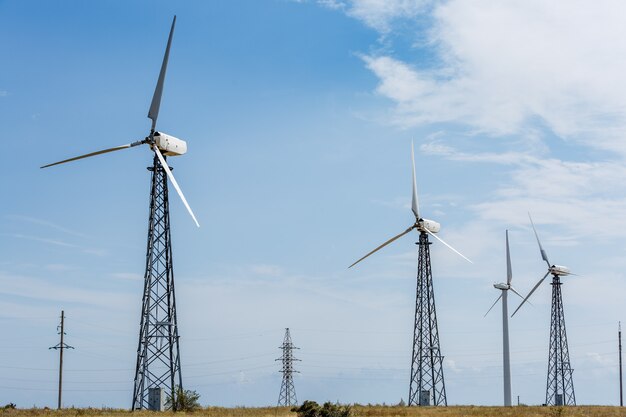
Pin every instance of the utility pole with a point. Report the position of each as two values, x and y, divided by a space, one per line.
619 336
60 347
287 395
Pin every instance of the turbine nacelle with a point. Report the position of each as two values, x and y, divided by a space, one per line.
559 270
169 145
425 225
502 286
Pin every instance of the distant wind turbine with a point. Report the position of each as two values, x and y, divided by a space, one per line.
506 356
560 384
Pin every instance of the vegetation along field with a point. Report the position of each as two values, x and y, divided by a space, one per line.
355 411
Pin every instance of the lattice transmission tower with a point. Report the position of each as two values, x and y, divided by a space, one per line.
158 355
560 386
427 385
287 396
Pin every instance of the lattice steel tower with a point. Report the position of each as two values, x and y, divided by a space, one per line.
427 385
158 356
287 396
560 386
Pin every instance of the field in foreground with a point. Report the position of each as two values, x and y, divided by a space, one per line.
357 411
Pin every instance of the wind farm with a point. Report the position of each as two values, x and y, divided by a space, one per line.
288 127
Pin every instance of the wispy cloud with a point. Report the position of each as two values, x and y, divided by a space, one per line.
132 276
559 192
55 242
267 270
45 223
41 289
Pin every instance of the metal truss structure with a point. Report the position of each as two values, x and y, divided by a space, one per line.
560 386
158 356
287 396
427 385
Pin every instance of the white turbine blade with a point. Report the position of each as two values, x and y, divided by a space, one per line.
174 183
117 148
384 244
414 202
509 273
543 252
516 293
493 305
441 240
530 293
153 113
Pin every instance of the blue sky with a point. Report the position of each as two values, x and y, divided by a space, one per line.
299 117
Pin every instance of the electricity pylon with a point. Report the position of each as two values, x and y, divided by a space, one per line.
287 396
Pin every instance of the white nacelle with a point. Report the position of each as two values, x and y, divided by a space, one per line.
430 225
559 270
501 286
169 145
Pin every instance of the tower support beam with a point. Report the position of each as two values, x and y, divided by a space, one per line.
427 386
158 358
560 385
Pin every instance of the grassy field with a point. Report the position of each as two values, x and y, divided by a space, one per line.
357 411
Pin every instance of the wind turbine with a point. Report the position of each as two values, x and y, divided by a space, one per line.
560 385
506 355
158 361
427 381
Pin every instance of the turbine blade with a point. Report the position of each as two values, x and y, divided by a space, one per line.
493 305
384 244
543 252
516 293
530 293
174 183
441 240
414 202
509 273
117 148
153 113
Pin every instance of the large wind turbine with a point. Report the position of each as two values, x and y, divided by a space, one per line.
506 355
158 360
560 385
427 384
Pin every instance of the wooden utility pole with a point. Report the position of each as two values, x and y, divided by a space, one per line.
60 347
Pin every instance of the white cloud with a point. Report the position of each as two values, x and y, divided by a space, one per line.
580 197
379 14
509 67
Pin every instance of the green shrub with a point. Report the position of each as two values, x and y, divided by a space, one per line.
185 400
312 409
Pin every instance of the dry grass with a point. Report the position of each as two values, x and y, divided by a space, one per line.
358 411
